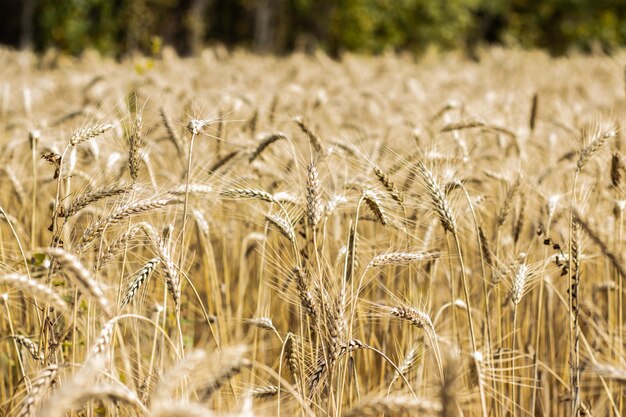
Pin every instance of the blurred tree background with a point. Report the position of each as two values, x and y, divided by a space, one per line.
118 27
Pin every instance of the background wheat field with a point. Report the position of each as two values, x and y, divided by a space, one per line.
261 236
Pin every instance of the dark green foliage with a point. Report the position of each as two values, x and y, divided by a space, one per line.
369 26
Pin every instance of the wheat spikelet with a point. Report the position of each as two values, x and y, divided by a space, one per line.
20 192
82 277
231 363
438 200
201 222
180 409
171 379
84 200
333 203
100 392
141 276
407 363
23 283
306 298
138 207
172 278
371 200
391 188
313 138
394 405
608 371
520 278
264 323
39 385
616 261
283 225
484 246
249 193
351 248
314 205
88 133
119 244
519 224
617 166
172 135
265 143
468 124
322 367
596 143
286 197
32 347
136 142
399 258
508 201
195 126
104 339
416 317
193 189
532 120
267 391
292 355
222 161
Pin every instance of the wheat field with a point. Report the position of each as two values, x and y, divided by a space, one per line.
261 236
